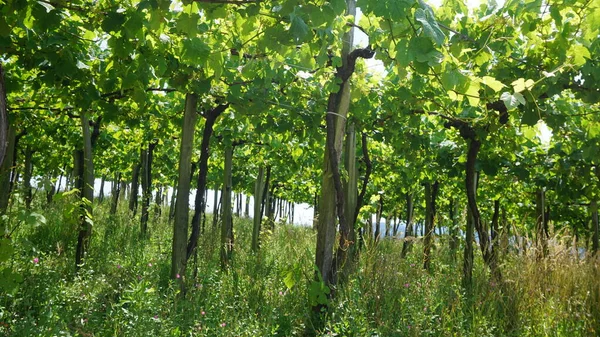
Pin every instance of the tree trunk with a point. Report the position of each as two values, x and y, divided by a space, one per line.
173 202
59 182
453 210
345 257
265 195
78 173
258 190
200 203
85 168
216 205
4 127
368 230
27 175
388 221
14 175
146 186
247 207
158 202
227 226
431 192
69 179
272 206
6 169
101 194
123 189
50 190
467 280
594 210
378 218
115 194
315 211
396 224
408 231
180 226
365 182
484 239
495 229
541 235
135 180
332 194
504 232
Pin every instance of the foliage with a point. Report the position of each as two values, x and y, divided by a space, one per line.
124 289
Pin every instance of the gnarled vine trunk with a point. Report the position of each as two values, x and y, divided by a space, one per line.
200 203
484 240
431 191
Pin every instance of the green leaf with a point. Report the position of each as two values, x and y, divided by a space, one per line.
194 51
336 61
5 29
555 14
188 24
421 67
520 98
6 249
215 62
530 115
320 15
339 6
422 50
29 19
298 28
512 100
9 280
579 53
473 93
292 276
521 84
492 83
134 24
430 26
397 9
317 293
32 219
403 56
113 22
306 57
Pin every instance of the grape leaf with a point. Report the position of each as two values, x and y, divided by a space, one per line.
298 28
430 26
492 83
512 100
194 51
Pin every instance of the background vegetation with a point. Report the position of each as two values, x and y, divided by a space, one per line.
449 153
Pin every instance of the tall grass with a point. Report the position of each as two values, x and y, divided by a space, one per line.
124 288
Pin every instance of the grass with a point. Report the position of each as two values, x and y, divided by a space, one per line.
124 288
